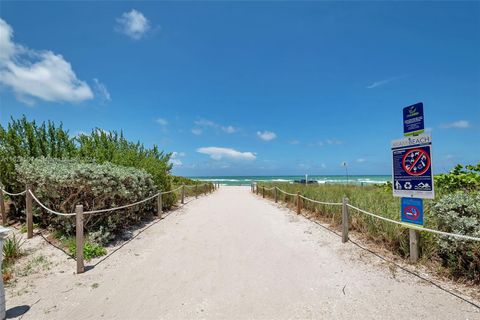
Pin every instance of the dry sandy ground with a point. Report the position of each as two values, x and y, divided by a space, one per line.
232 255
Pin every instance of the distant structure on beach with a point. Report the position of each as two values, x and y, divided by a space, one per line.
304 181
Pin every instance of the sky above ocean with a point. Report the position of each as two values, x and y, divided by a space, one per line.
250 88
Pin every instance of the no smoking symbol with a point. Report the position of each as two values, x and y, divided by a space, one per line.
416 162
412 213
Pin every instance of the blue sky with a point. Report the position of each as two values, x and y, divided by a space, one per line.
253 88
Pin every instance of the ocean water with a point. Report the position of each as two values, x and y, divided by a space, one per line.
247 180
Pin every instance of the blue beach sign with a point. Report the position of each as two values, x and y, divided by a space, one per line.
413 119
412 167
412 211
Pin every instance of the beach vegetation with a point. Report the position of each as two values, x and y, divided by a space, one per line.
61 184
456 209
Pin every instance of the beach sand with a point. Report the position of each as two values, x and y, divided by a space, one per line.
233 255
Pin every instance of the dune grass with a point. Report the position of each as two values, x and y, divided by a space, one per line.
375 199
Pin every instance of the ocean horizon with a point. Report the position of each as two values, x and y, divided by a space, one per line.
320 179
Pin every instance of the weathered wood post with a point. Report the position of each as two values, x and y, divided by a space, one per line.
3 234
159 205
276 194
2 208
79 238
256 187
414 245
263 192
29 209
299 203
196 193
345 219
183 194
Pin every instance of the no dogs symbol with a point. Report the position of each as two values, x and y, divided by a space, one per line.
416 162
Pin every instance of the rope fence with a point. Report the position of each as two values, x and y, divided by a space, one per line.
79 213
413 229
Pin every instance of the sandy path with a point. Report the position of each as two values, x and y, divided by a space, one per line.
233 255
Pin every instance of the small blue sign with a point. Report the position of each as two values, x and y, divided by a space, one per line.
412 210
413 122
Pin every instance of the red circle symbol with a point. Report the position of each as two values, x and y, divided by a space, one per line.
411 213
416 162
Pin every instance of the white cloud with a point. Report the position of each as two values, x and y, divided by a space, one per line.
229 129
383 82
218 153
133 24
102 91
294 141
323 165
266 135
161 121
334 141
460 124
360 160
176 162
197 131
174 158
204 123
33 74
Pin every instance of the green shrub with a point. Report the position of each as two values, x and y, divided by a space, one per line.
90 249
25 139
63 184
459 213
103 146
22 138
459 178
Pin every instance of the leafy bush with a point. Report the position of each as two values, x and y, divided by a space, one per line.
459 213
459 178
63 184
90 249
112 147
23 138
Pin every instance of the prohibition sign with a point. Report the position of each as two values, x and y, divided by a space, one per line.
416 162
411 213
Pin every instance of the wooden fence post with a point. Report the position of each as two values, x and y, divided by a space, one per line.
29 209
256 187
183 194
196 193
159 206
263 192
414 245
299 203
2 209
276 194
79 238
345 219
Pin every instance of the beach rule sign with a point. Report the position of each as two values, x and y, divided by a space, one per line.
412 211
412 167
413 120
